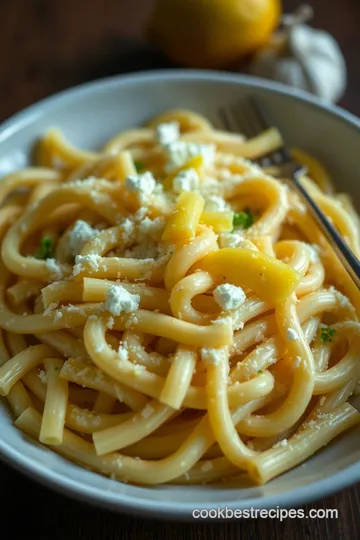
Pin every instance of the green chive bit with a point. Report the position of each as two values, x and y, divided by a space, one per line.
140 167
244 219
327 334
46 248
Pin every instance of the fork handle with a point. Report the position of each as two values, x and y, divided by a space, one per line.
342 250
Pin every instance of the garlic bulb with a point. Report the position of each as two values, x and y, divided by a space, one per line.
303 57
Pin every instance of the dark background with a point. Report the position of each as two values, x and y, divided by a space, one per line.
50 45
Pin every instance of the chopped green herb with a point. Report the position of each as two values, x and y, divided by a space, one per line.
260 371
244 219
46 249
327 334
140 167
57 368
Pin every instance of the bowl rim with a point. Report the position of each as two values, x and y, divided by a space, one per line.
29 113
137 504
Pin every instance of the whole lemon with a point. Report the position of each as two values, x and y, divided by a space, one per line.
212 33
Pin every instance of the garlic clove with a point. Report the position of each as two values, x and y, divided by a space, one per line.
288 70
322 61
303 57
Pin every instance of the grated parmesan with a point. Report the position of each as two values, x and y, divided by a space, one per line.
142 185
43 376
127 228
211 356
123 354
281 444
152 228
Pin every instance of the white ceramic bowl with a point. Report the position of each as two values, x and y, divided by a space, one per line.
89 115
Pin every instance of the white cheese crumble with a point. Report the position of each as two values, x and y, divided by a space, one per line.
81 261
291 335
214 203
167 133
81 233
54 268
210 186
297 361
119 300
187 180
110 323
179 152
229 296
148 245
231 240
211 356
143 185
152 228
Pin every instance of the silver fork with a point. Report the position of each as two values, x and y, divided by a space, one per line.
251 119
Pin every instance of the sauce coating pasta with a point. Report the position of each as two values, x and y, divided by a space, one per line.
168 310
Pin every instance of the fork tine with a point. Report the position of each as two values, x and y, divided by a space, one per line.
253 123
241 120
251 118
266 122
262 115
225 119
278 157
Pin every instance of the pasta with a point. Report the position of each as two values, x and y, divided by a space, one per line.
168 310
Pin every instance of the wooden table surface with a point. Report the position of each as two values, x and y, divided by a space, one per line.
50 45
